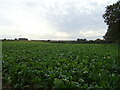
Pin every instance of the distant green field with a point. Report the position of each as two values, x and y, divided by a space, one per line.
54 65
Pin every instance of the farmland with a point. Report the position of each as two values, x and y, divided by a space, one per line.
53 65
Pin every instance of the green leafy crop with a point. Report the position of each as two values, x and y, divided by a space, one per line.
48 65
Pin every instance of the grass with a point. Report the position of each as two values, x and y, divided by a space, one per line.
48 65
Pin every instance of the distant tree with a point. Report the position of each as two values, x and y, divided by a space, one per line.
4 39
23 39
99 41
84 39
15 38
112 19
81 40
78 39
48 40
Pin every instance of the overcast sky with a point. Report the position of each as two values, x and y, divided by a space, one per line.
53 19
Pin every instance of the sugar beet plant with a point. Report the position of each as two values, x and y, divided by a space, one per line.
48 65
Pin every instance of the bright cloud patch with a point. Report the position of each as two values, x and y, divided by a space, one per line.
90 33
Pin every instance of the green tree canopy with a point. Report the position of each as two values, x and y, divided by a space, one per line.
112 19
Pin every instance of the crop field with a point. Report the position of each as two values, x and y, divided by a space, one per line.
27 64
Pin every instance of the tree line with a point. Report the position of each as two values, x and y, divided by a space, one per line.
112 19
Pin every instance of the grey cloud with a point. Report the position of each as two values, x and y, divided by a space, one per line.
75 20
